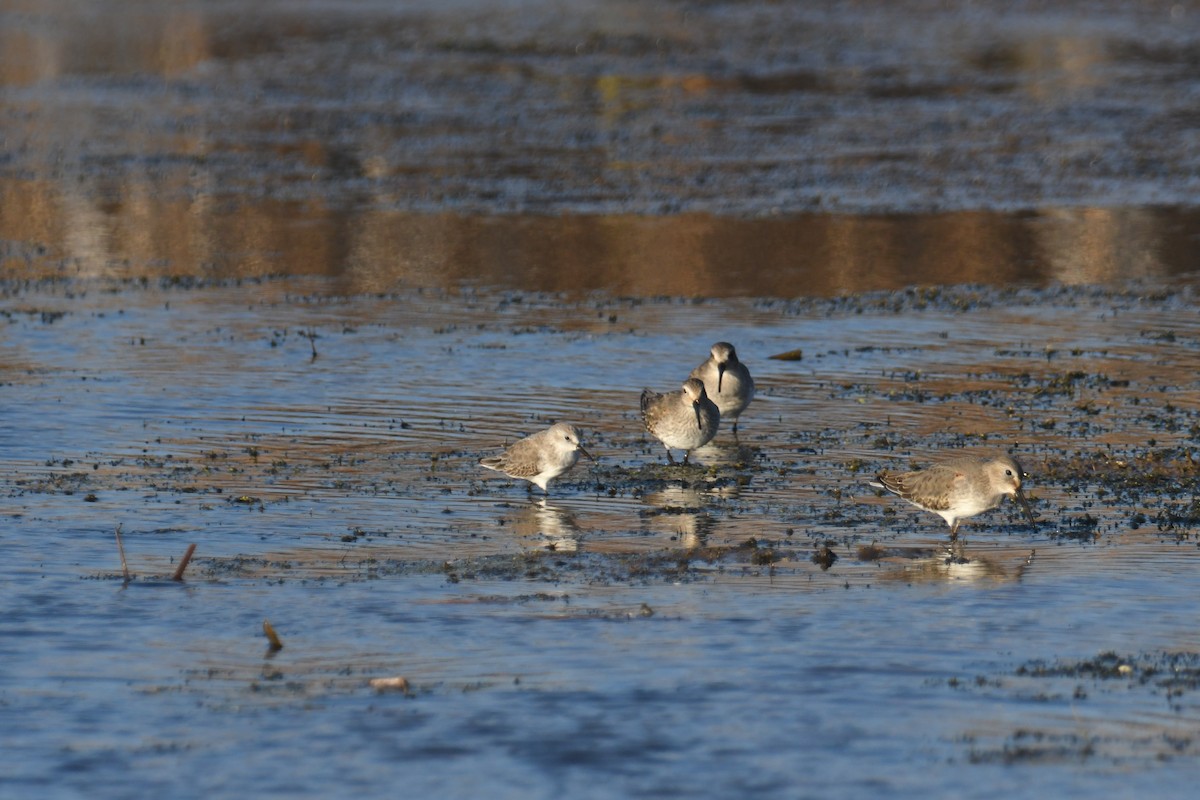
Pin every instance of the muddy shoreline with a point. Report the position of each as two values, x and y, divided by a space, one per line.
274 279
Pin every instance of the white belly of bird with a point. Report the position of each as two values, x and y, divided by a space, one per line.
688 436
732 399
968 505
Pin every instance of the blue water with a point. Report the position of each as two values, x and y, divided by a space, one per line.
274 279
896 677
723 691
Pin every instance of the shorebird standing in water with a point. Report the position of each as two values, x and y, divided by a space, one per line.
685 420
542 457
727 382
959 488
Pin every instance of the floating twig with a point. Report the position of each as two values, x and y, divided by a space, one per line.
311 335
396 684
183 562
272 637
121 550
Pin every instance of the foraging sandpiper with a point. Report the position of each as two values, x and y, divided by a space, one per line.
959 488
541 457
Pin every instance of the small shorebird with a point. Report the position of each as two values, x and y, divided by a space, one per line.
727 381
959 488
541 457
685 420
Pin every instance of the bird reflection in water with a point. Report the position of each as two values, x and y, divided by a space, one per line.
681 512
727 452
541 525
956 562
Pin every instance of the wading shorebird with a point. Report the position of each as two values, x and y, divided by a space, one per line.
685 420
727 382
541 457
959 488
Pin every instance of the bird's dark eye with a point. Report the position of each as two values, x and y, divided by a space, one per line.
1008 472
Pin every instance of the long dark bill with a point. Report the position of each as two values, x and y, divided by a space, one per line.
1020 495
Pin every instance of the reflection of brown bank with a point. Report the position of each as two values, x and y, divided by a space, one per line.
163 41
686 255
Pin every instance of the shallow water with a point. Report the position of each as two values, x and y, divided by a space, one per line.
273 282
620 637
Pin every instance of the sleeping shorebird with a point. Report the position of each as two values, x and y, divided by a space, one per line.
685 420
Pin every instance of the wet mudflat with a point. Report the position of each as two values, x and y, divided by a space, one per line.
640 615
273 282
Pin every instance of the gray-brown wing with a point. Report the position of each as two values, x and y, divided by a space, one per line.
931 488
651 404
520 460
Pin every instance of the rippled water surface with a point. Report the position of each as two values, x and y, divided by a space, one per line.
272 283
641 631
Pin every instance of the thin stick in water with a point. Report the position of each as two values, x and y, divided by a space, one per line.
311 335
121 550
272 636
183 562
